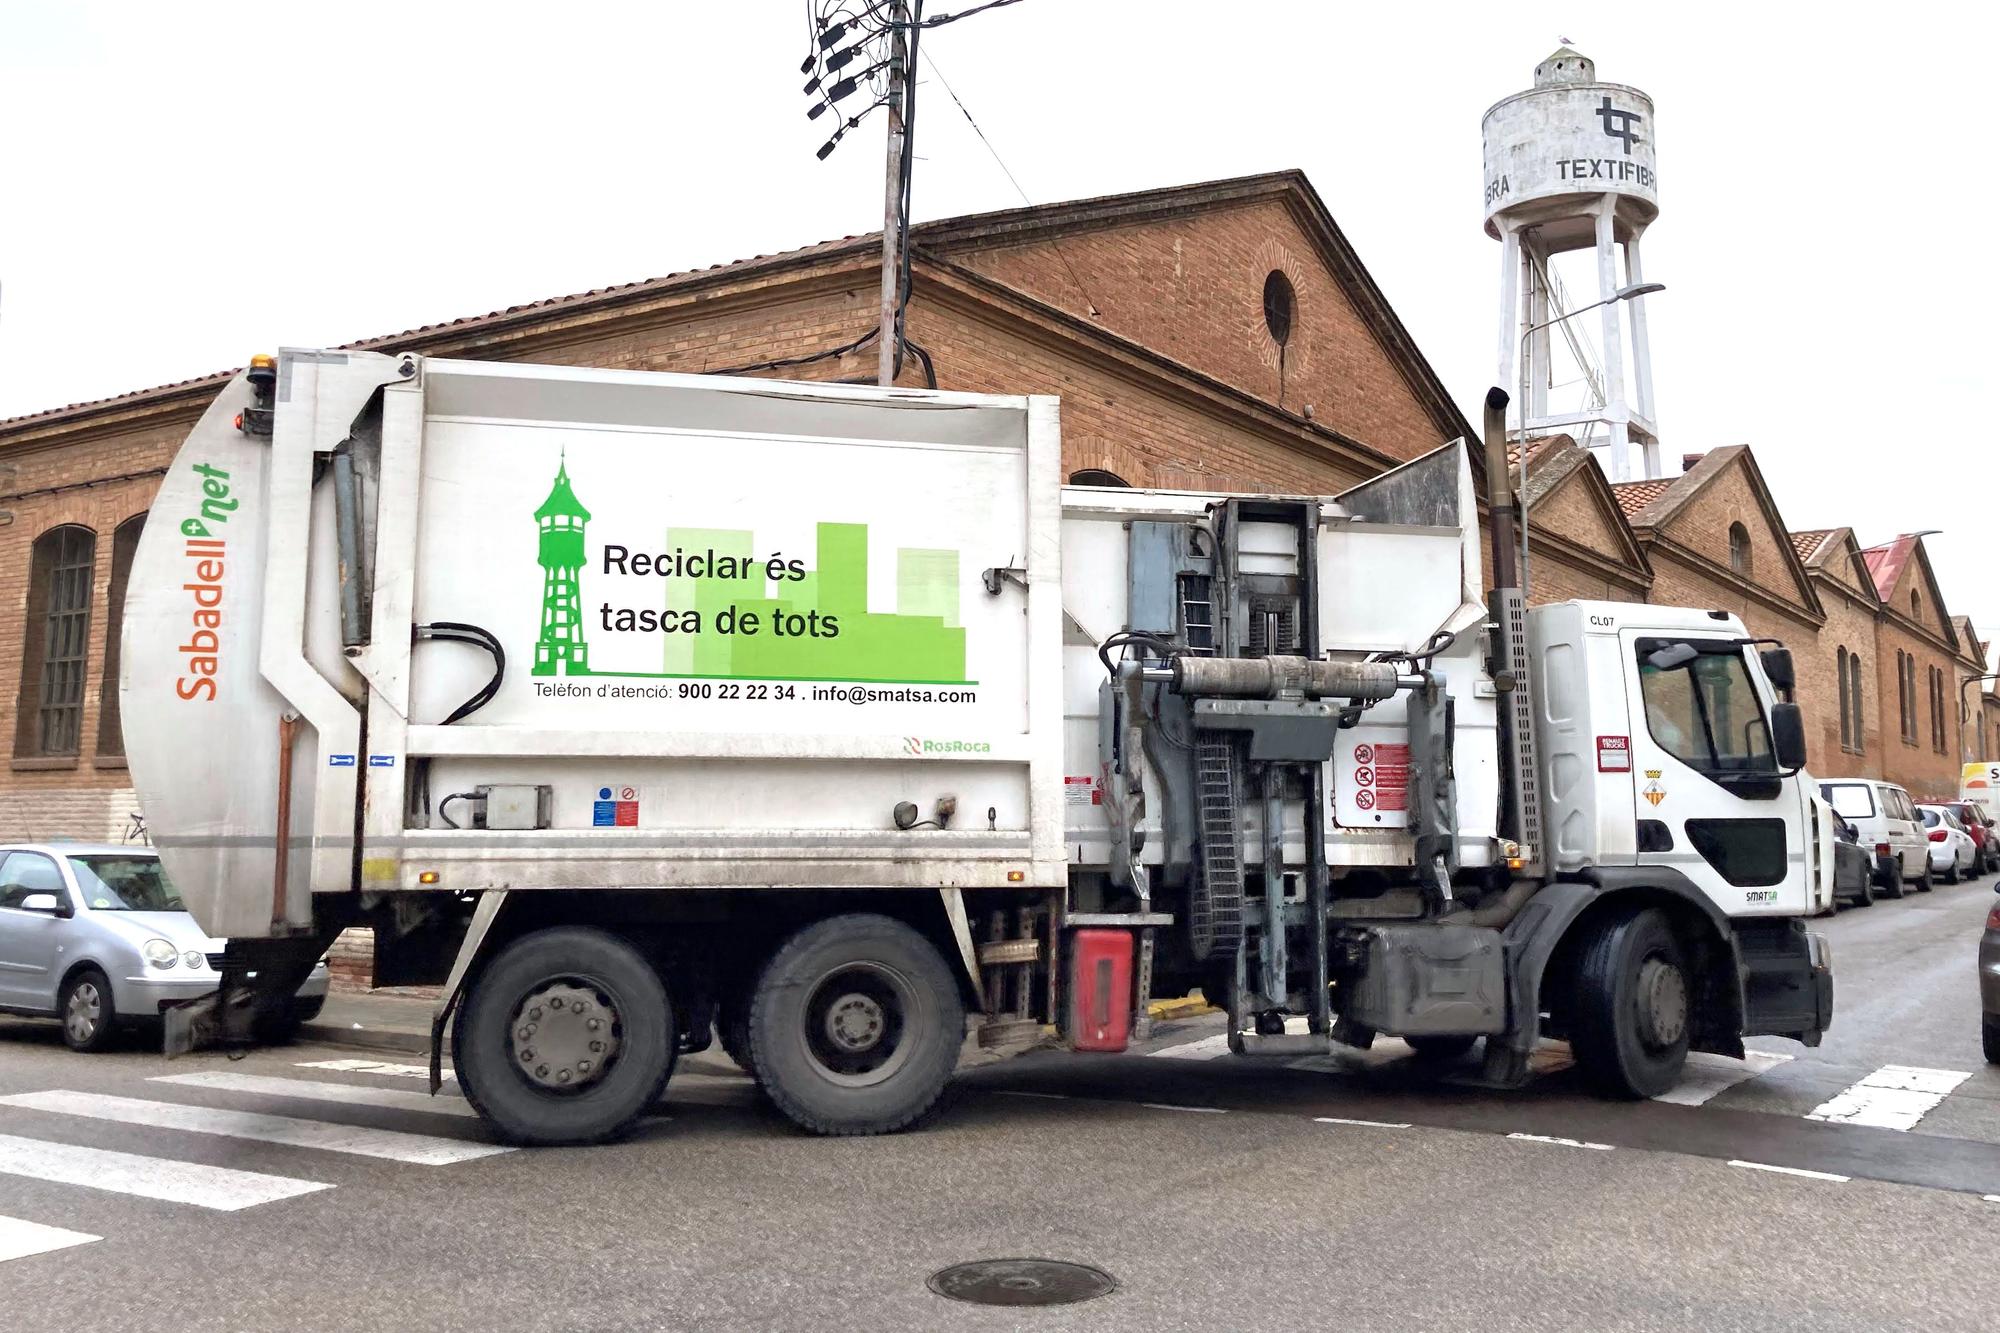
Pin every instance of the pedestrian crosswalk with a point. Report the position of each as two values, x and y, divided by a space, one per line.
1892 1097
323 1119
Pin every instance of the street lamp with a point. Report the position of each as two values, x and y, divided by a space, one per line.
1627 293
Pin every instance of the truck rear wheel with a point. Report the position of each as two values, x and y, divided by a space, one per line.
1629 1029
565 1037
855 1026
732 1023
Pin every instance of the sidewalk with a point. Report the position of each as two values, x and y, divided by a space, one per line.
389 1020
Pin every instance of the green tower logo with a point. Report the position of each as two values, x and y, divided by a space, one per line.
561 648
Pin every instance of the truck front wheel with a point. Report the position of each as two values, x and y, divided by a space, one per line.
565 1037
855 1026
1632 1007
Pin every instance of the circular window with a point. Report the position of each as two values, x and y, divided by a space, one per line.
1280 304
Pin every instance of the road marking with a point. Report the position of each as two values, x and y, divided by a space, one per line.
1893 1097
1371 1124
391 1145
1991 1198
217 1187
1208 1048
376 1067
350 1094
1708 1075
1561 1142
1169 1106
20 1239
1790 1171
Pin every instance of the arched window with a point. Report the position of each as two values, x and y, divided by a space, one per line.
1096 476
1846 713
1281 305
1739 549
1916 604
55 644
110 727
1854 701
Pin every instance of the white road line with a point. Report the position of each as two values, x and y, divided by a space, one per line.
1561 1142
218 1187
1991 1198
1169 1106
20 1239
350 1094
1370 1124
375 1067
1208 1048
392 1145
1893 1097
1790 1171
1708 1075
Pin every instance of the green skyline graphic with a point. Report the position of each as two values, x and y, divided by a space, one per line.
921 642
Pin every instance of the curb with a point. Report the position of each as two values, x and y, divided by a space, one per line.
365 1038
1188 1006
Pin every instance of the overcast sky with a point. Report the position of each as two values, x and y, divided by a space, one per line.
189 183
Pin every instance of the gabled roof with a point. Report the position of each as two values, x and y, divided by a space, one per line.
1635 496
941 238
1885 563
1806 544
1553 461
1827 550
1888 564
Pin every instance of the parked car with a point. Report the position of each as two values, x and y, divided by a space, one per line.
97 937
1890 828
1853 865
1954 852
1983 830
1989 986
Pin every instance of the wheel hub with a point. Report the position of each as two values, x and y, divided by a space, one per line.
1663 1003
854 1022
565 1035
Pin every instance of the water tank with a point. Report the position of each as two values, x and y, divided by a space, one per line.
1554 151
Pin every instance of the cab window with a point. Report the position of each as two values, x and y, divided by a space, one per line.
1702 707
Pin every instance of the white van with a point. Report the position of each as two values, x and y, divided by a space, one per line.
1889 824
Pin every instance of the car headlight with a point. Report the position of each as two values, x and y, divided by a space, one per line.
159 952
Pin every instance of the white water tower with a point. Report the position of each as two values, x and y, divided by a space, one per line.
1569 166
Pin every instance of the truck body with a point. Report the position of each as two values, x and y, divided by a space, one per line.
634 707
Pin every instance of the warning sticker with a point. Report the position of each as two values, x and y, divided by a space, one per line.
1390 777
1081 790
1371 778
615 808
1614 754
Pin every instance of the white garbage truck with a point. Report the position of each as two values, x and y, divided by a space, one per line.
636 710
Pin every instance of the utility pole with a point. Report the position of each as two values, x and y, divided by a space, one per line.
892 200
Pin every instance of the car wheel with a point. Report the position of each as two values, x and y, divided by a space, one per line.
1951 876
1989 1038
1866 898
1926 881
89 1020
1632 1007
1892 883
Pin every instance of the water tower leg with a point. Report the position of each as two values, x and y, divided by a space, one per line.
1615 410
1642 356
1510 297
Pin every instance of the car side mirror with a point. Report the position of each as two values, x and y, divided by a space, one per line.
1778 667
43 902
1788 736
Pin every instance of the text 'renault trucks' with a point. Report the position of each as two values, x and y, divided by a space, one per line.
633 708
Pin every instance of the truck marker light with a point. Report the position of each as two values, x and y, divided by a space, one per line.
1016 876
427 877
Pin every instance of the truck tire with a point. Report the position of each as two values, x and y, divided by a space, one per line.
1440 1048
1629 1030
855 1026
732 1022
565 1037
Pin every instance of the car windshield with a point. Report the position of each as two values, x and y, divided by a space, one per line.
125 884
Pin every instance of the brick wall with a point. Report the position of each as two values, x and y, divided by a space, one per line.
1927 771
1850 625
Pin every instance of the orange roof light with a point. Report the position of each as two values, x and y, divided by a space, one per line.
263 361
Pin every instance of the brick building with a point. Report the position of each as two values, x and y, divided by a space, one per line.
1216 336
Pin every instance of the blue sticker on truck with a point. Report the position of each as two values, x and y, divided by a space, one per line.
381 761
340 761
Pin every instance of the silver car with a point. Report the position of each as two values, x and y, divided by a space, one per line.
96 936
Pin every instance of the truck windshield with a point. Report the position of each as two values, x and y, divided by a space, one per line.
1704 709
125 884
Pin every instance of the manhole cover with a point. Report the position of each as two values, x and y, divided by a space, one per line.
1022 1282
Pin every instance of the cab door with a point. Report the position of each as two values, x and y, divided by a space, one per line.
1704 766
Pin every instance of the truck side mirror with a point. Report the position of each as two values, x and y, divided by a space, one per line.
1788 736
1778 666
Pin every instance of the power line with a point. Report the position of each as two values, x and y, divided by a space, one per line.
946 83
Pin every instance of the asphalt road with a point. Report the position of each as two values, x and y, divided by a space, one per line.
1220 1193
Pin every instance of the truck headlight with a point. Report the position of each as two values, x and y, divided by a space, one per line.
159 952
